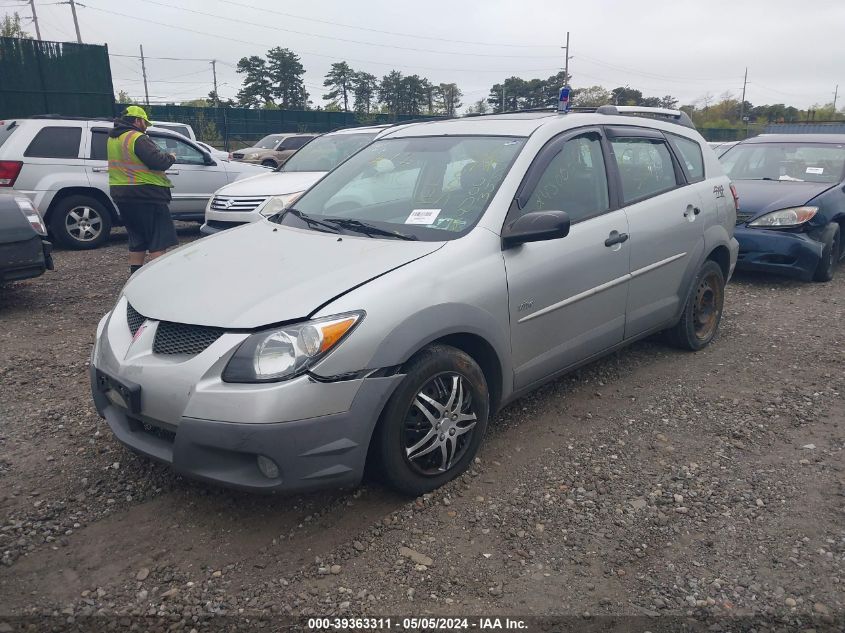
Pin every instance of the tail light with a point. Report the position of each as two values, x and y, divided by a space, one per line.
9 170
736 196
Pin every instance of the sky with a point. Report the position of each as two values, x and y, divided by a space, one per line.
690 49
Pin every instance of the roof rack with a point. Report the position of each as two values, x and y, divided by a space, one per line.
674 116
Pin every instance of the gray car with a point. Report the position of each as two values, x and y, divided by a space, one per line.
491 255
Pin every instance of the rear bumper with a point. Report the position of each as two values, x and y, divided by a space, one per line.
322 452
793 255
26 259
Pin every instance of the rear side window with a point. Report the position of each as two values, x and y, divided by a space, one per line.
574 181
6 129
99 149
55 142
294 142
645 167
692 161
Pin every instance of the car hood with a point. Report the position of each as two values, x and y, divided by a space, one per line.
763 196
262 273
275 183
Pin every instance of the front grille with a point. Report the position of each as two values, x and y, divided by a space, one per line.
742 218
179 338
231 203
134 319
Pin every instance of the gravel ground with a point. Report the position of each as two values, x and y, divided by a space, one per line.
651 483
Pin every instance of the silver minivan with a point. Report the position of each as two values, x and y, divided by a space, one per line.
491 255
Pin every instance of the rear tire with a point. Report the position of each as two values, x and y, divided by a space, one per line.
433 424
80 222
831 240
703 311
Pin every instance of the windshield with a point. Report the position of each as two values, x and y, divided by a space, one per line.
327 152
430 188
795 162
268 142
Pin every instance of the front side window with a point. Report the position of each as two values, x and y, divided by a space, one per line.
409 186
269 142
185 154
692 160
645 167
575 181
327 152
798 162
55 142
295 142
99 145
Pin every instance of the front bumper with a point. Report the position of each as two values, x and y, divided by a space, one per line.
785 253
317 431
26 259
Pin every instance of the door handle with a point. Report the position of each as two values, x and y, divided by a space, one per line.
172 172
99 170
615 238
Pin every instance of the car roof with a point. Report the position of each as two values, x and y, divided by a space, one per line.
525 123
796 138
358 130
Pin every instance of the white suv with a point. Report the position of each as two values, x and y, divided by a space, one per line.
61 165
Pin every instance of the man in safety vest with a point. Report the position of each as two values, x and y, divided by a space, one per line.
140 188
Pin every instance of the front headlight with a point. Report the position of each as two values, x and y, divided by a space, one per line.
287 352
31 214
278 203
785 217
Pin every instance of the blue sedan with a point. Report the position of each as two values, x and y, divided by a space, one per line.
791 203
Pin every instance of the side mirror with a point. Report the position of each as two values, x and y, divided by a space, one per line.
537 226
208 160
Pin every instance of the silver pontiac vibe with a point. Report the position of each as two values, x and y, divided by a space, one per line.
433 277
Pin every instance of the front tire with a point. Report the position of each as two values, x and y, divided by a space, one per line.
80 222
703 311
433 424
830 253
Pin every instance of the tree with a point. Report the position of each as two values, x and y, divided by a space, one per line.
414 95
10 26
507 95
479 107
625 95
123 97
591 97
447 99
390 91
365 91
257 90
285 73
669 102
340 79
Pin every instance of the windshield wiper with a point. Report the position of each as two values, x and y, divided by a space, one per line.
312 222
368 229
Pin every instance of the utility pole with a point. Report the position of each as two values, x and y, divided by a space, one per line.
566 63
214 71
144 72
742 104
35 19
835 95
75 21
503 97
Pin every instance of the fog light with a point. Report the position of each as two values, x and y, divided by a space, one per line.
268 467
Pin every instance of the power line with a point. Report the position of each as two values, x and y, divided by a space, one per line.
398 34
253 43
340 39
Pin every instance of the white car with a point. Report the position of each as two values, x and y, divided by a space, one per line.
253 198
61 165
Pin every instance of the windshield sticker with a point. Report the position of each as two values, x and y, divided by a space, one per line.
422 216
815 170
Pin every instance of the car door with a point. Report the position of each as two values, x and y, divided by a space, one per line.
667 239
97 163
194 180
567 296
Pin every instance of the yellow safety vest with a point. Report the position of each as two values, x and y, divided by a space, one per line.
126 169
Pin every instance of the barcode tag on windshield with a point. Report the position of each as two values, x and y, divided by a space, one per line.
815 170
423 216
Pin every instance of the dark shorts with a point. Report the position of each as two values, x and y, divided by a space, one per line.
149 226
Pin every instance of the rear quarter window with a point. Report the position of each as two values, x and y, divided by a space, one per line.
689 153
6 130
55 142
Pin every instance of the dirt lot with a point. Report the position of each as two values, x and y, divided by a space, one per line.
653 482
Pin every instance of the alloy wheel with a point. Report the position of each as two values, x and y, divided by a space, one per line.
439 425
84 224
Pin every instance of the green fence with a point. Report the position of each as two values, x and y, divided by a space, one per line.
233 128
54 78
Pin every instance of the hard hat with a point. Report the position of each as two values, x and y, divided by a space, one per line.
136 112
